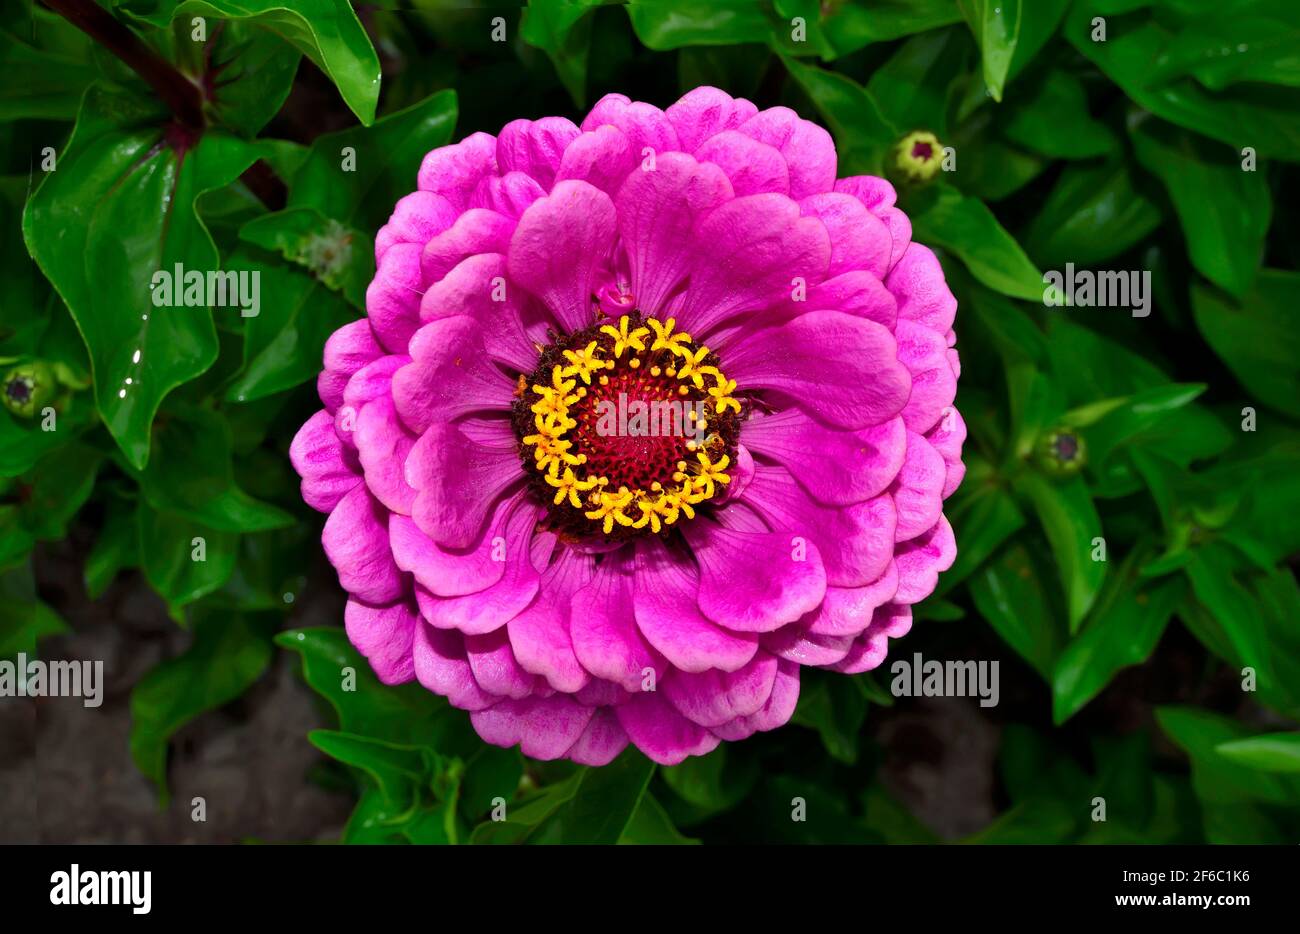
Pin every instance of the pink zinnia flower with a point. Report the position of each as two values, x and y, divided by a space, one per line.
572 581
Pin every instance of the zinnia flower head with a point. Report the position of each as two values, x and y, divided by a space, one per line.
645 416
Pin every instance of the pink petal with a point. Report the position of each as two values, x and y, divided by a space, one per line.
855 542
923 295
355 539
890 621
535 147
455 171
947 438
448 573
442 667
329 468
807 148
918 488
749 251
458 480
543 728
476 231
476 288
604 631
754 581
383 444
711 698
417 218
704 112
776 712
660 732
846 611
751 167
540 634
920 561
510 195
859 241
664 595
602 158
934 385
393 296
384 635
656 212
644 125
348 349
844 370
559 246
836 467
602 740
495 668
449 376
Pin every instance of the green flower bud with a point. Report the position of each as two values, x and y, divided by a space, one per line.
1061 452
918 156
28 387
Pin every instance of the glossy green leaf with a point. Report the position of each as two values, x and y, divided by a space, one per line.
398 771
863 137
115 549
326 31
915 87
405 714
1271 752
54 59
228 653
1218 778
1269 367
852 25
562 29
357 176
1265 118
670 24
1072 526
183 560
1122 631
1052 119
192 476
942 216
1224 211
714 782
1011 595
1092 214
24 618
119 208
996 27
651 826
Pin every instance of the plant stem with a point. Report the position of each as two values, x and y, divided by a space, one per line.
181 95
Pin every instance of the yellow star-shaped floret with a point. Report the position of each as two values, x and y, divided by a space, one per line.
623 338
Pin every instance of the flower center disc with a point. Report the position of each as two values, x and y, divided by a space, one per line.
626 426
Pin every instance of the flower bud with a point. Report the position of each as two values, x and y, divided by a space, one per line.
918 156
1061 452
28 387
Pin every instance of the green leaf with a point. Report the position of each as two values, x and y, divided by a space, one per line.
562 29
283 344
1034 822
593 806
326 31
54 59
996 26
341 257
228 653
120 207
1257 115
1224 211
885 815
651 826
1053 120
490 773
1271 752
852 25
1269 367
406 714
663 25
24 619
1124 630
1009 592
714 782
915 87
1218 778
1093 213
982 519
193 476
944 217
183 560
1215 582
116 548
356 176
1070 521
836 708
863 137
398 771
1247 40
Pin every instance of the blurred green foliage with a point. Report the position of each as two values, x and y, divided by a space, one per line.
1146 135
